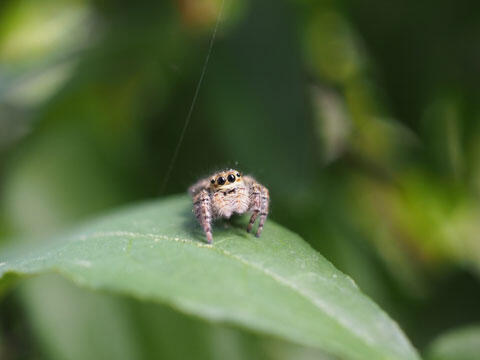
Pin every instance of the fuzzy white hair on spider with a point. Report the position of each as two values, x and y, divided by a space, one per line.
226 193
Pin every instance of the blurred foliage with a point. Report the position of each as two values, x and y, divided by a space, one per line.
362 119
458 344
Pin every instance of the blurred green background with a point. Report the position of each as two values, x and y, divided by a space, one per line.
362 118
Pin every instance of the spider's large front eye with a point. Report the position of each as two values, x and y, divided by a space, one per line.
231 178
221 180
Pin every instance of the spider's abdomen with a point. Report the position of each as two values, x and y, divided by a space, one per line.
225 203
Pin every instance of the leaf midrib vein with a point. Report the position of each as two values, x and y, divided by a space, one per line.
277 278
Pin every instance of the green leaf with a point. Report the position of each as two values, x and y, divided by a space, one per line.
139 330
61 318
277 284
457 344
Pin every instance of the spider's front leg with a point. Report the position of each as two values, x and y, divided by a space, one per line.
259 201
203 212
198 186
265 201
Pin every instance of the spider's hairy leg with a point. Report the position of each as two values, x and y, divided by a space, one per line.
198 186
255 204
265 200
203 212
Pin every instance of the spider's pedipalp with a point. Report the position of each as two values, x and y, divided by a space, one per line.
203 212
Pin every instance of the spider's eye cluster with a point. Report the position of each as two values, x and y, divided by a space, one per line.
221 180
231 178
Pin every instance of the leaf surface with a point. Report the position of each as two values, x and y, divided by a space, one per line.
277 284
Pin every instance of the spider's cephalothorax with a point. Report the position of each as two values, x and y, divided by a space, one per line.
226 193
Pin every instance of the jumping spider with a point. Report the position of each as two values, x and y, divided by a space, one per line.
226 193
